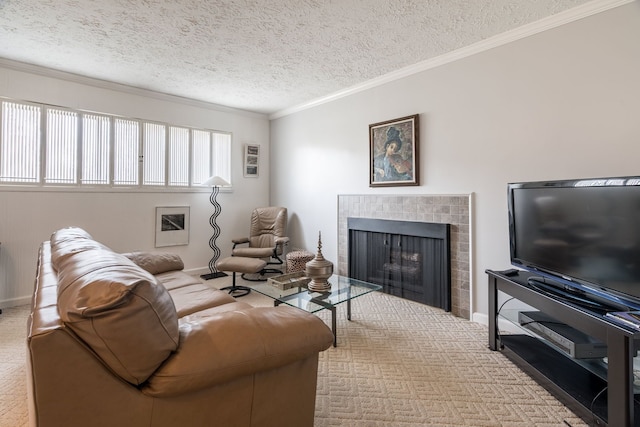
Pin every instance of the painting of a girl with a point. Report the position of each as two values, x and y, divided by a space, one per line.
394 151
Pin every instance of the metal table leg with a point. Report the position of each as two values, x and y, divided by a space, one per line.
333 326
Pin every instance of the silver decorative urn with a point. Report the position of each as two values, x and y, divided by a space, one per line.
319 270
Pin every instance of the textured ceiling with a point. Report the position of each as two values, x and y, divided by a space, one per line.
256 55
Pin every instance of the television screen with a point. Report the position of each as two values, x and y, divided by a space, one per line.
584 232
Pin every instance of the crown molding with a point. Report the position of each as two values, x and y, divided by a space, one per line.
562 18
132 90
588 9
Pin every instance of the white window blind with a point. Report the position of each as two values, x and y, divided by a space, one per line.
201 155
154 139
61 162
126 152
48 145
20 143
95 149
221 161
178 156
211 156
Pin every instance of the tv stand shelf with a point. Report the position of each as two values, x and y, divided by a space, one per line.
606 398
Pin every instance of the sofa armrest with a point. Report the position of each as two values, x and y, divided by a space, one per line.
218 348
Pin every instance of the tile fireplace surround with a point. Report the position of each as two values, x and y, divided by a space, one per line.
447 209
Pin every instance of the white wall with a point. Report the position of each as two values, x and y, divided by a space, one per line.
564 103
123 221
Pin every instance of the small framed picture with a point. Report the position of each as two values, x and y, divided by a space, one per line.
251 160
172 226
393 152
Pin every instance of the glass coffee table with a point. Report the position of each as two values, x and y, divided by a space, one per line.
343 289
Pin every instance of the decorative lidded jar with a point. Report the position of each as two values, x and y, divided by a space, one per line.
319 270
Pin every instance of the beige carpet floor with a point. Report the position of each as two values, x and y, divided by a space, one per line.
398 363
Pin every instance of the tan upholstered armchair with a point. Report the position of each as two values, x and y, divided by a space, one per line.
267 238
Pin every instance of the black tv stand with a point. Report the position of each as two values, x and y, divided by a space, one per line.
606 396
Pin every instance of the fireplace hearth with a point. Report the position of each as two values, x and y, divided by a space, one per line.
409 259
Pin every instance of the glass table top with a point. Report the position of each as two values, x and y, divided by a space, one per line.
342 289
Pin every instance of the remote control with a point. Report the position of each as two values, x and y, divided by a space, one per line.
511 272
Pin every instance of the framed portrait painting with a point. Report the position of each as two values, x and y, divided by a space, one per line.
393 152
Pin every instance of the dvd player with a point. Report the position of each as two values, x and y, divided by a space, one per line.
571 341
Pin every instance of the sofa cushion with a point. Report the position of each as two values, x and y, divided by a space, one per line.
197 297
118 309
156 263
176 279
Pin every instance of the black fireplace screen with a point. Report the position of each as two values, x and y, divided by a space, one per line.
408 259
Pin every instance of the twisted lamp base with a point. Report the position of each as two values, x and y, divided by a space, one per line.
214 273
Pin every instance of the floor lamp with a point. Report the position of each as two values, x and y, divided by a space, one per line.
215 182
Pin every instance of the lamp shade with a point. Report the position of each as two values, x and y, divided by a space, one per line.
215 181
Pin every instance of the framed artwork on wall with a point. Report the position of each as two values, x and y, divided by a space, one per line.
393 152
251 160
172 226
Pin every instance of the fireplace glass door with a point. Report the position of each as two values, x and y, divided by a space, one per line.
411 267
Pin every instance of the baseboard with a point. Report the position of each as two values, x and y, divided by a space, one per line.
504 325
481 318
15 302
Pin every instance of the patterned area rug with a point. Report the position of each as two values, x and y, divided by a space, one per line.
401 363
398 363
13 384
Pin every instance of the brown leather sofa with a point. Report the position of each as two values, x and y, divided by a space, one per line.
131 340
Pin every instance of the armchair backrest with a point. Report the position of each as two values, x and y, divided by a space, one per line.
267 224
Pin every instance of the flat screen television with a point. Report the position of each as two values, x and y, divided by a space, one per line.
582 236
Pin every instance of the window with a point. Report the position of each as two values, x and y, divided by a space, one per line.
61 147
178 157
201 152
20 143
96 140
126 152
46 145
153 141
